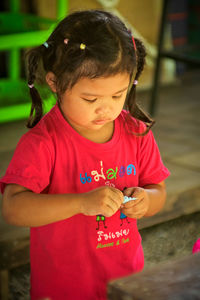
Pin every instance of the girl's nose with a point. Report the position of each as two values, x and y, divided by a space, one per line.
102 110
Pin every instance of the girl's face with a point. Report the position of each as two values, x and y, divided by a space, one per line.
93 104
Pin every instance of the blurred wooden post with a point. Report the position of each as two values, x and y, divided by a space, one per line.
13 253
4 279
174 280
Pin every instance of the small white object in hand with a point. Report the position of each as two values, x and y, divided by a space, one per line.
127 199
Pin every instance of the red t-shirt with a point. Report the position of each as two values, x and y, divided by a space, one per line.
75 258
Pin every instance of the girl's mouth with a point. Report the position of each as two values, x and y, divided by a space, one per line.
100 122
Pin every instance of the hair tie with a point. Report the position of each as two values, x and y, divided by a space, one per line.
66 41
135 82
46 45
31 85
134 45
82 46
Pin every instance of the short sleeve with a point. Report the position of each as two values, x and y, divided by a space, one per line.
151 167
31 164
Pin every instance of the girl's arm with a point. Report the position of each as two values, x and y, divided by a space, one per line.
150 200
157 197
22 207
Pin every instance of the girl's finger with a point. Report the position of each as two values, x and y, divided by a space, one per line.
113 203
131 203
128 191
137 192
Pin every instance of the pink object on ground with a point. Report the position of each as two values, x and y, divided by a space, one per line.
196 246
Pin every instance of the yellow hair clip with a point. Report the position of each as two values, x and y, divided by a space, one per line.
82 46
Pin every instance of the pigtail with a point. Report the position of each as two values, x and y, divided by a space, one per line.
134 109
36 107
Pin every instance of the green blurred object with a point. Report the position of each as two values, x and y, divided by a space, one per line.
20 31
22 110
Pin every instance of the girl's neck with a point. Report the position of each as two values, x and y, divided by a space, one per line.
103 135
100 136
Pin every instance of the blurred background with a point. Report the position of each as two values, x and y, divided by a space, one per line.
169 90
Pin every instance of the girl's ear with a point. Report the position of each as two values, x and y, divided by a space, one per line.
51 81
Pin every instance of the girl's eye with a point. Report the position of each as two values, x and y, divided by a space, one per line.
117 97
90 100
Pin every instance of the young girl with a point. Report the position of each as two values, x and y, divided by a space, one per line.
70 172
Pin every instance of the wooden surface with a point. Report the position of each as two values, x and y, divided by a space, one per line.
14 253
175 281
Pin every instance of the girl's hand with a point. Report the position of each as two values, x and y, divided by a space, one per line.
101 201
136 208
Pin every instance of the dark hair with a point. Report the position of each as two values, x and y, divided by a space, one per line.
109 51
